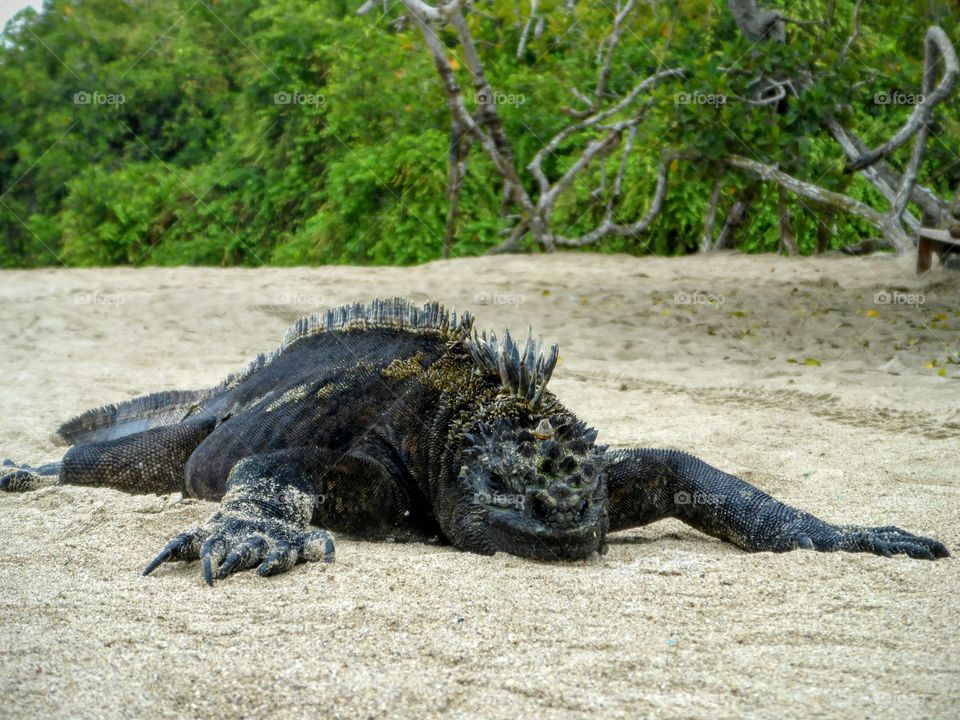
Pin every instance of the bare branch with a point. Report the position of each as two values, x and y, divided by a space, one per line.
608 227
486 106
764 95
891 230
621 171
787 239
825 229
605 59
710 217
854 35
492 142
522 46
535 165
579 96
756 23
937 45
594 149
516 234
418 7
459 149
885 180
735 218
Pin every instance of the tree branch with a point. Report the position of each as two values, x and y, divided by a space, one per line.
756 23
459 149
937 45
710 217
854 35
735 218
522 46
535 165
881 222
608 227
609 43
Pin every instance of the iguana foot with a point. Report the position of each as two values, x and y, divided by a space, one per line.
21 478
887 541
228 543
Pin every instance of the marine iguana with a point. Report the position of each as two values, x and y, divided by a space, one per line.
392 420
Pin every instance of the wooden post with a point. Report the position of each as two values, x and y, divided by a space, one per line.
930 239
924 252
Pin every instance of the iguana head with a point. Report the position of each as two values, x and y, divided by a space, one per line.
533 487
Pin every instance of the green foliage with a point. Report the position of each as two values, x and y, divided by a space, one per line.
295 132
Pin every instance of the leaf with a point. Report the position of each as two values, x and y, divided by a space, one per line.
872 313
813 362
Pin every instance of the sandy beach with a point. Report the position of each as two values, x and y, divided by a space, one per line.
825 381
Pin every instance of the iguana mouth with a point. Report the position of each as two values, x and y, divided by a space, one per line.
520 534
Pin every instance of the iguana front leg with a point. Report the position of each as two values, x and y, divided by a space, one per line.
262 521
647 485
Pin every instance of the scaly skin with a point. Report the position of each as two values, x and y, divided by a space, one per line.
392 421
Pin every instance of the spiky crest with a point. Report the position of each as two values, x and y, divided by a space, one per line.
525 376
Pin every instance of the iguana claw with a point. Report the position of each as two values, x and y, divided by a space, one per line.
228 544
887 541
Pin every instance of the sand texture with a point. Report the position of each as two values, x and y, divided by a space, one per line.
692 353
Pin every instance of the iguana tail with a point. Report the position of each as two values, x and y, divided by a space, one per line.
141 413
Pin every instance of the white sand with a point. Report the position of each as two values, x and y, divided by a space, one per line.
670 623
